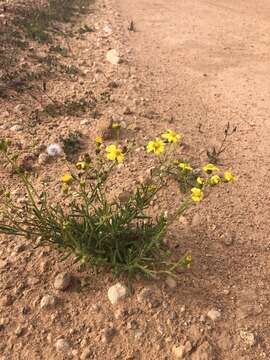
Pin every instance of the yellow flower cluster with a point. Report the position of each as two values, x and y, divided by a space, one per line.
99 140
115 153
157 146
197 193
67 179
185 166
171 136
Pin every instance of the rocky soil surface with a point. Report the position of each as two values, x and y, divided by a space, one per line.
191 66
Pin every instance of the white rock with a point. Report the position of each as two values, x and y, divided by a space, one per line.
62 346
62 281
85 122
116 293
16 127
48 301
171 282
178 352
213 314
113 57
108 30
248 337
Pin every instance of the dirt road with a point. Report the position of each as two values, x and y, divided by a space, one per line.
191 66
207 62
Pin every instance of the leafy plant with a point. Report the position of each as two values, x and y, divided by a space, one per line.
97 229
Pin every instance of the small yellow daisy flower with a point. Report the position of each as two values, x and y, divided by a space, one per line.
81 165
209 168
114 153
200 180
171 136
185 166
98 140
215 179
155 146
67 179
197 194
228 176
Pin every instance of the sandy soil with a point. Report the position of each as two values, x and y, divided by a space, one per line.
192 66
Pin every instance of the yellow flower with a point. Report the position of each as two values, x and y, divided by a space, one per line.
200 180
81 165
171 136
215 179
116 125
67 179
114 153
197 194
228 176
98 140
185 166
209 168
188 261
155 146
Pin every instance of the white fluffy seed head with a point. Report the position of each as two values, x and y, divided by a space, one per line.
54 149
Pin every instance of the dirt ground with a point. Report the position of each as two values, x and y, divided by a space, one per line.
191 65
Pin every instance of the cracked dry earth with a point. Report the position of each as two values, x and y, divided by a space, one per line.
191 65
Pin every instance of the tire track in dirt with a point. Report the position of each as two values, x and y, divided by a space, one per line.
207 63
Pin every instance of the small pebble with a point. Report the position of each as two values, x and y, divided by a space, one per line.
86 353
171 282
116 293
113 57
6 300
144 294
108 335
48 301
62 281
16 127
248 337
178 352
62 346
213 314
